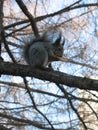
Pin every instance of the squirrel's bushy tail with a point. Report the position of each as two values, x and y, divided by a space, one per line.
30 40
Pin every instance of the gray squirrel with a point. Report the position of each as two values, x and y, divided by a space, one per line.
39 52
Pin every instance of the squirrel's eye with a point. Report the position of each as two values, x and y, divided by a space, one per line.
59 48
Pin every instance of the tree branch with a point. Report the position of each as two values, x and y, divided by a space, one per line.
28 122
72 106
29 15
40 18
1 23
52 76
33 123
35 107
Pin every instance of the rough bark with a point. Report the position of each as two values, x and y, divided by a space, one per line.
57 77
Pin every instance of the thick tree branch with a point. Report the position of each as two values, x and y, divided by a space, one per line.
1 26
52 76
1 22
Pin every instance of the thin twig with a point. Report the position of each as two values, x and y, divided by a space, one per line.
72 106
34 105
39 18
7 47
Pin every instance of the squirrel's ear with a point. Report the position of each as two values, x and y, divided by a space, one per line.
63 41
58 40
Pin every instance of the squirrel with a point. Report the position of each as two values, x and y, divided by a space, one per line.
39 52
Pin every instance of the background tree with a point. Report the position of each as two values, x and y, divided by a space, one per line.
51 100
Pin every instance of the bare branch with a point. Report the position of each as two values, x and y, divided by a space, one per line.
29 15
52 76
1 22
34 104
66 9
